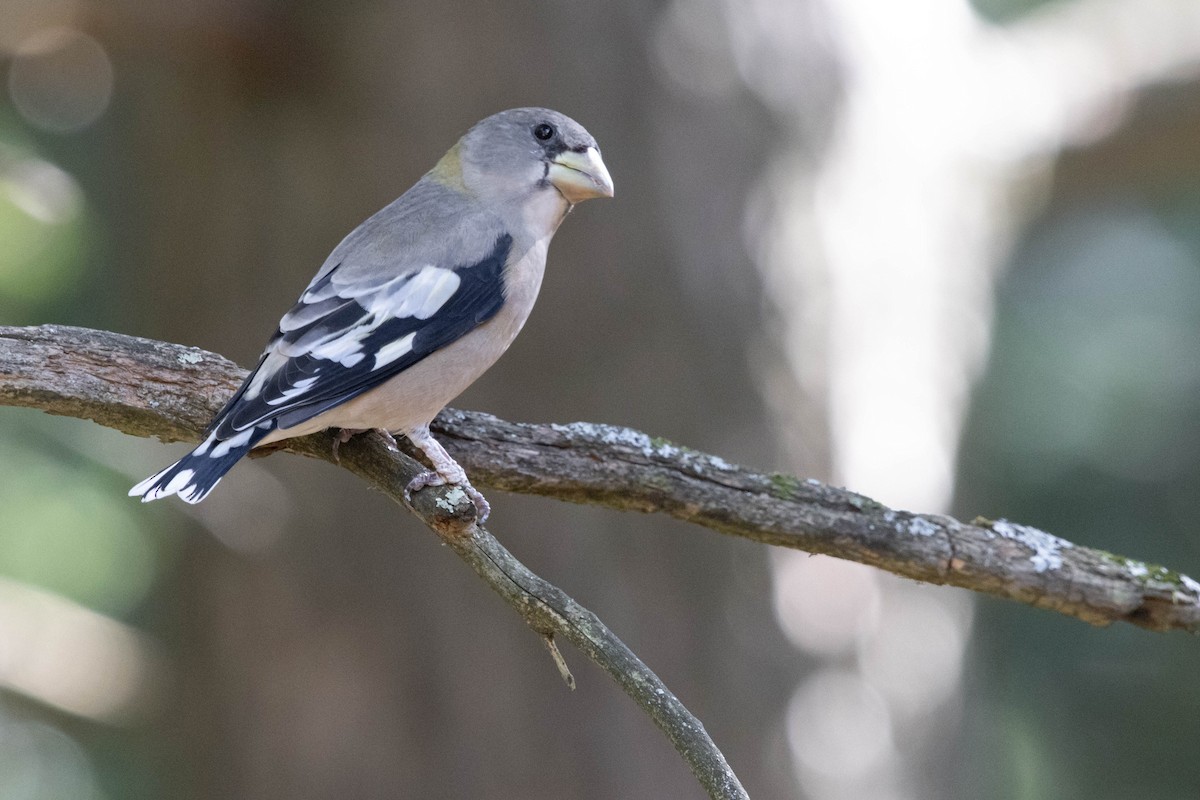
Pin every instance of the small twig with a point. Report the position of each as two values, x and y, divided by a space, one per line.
559 661
544 607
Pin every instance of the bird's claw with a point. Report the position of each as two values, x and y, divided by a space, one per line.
483 508
342 436
427 478
432 478
388 439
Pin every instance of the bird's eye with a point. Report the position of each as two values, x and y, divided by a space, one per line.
544 131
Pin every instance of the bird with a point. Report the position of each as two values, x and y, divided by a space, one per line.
412 306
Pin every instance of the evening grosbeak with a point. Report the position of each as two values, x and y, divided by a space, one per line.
413 306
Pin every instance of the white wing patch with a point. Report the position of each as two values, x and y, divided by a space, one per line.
344 347
418 296
298 388
393 350
348 326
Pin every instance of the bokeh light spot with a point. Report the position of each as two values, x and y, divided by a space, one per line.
40 762
824 605
839 727
60 80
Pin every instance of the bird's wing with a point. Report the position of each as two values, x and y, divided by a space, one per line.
344 338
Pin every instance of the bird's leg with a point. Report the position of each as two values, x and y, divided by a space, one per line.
445 470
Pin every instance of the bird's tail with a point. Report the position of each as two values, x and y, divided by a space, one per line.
196 474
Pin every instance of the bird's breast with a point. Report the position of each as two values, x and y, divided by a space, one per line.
522 282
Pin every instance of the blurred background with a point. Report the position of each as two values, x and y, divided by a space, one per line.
944 253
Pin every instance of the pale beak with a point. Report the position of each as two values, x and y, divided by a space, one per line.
580 176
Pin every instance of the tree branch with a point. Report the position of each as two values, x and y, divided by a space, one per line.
625 469
149 388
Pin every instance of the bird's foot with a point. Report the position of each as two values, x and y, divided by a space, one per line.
459 479
445 471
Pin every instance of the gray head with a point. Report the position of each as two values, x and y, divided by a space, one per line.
525 151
